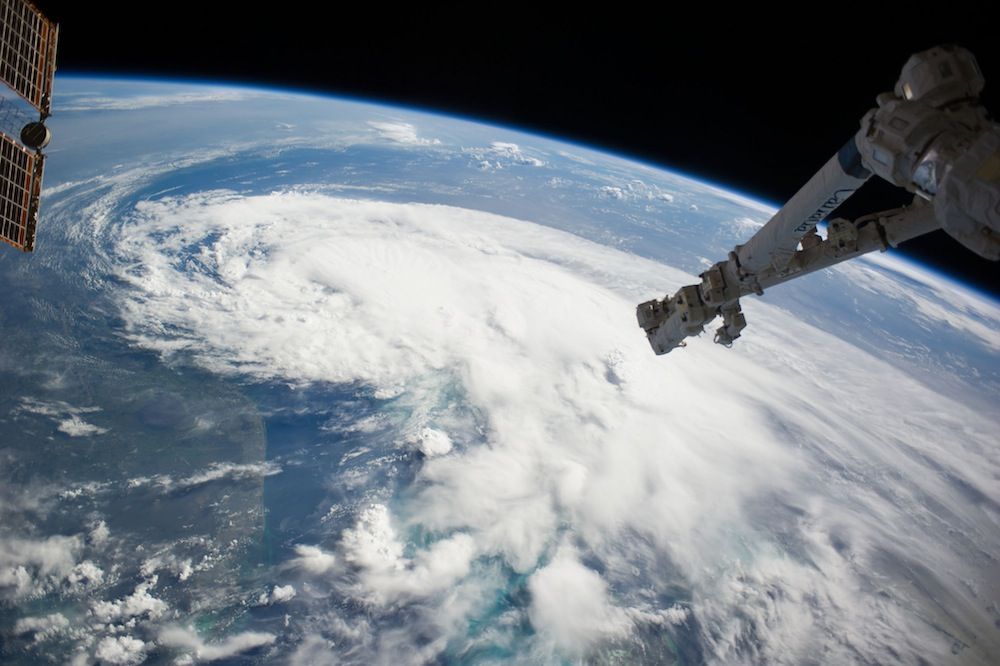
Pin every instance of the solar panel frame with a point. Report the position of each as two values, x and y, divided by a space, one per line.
20 188
28 52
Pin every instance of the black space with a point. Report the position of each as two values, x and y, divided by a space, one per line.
722 94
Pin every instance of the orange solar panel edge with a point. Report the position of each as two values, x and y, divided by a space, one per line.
40 68
35 184
50 67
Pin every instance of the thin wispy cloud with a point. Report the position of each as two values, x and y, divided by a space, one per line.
68 418
135 102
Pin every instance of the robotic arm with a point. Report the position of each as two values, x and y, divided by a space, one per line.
930 136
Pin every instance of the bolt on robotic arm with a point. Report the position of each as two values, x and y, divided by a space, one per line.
930 136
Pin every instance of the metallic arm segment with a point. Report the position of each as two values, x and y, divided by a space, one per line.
774 244
668 322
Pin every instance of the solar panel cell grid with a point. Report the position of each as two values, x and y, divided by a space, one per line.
20 183
27 52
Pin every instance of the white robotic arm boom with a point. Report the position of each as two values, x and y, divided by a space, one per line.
930 136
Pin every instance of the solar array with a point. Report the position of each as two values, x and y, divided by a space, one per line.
27 66
20 184
28 52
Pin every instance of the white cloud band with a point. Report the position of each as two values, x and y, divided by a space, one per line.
583 430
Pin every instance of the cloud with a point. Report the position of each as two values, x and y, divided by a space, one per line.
511 152
234 471
777 489
138 604
935 302
217 471
41 627
121 650
30 567
74 426
313 559
501 155
635 190
84 576
432 442
99 533
314 649
570 605
373 549
744 227
279 594
52 407
134 102
188 641
282 593
179 566
68 417
87 489
399 132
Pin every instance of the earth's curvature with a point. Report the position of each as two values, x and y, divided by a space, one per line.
292 379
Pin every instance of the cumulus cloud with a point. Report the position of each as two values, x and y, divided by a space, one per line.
400 132
512 152
122 650
503 154
30 567
279 594
74 426
282 593
759 476
373 548
138 604
176 564
41 627
570 605
99 533
313 559
84 576
432 442
187 640
635 190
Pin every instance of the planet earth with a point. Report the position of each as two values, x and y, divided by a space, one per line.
310 380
